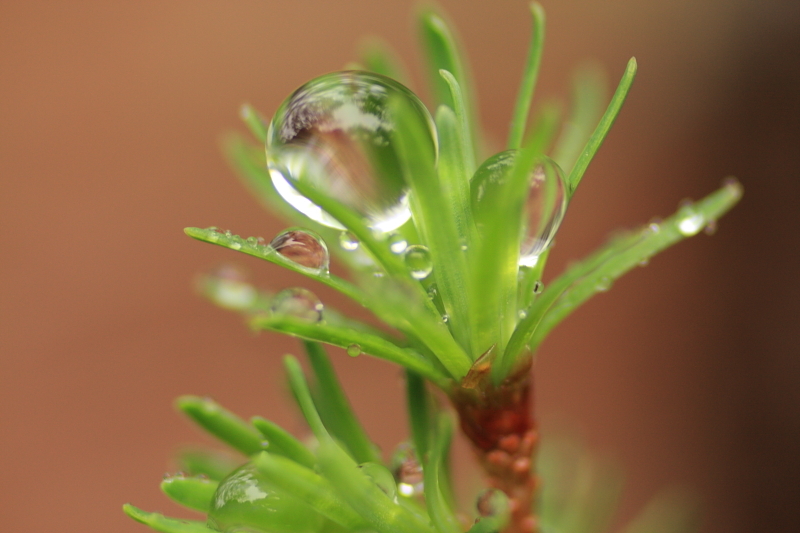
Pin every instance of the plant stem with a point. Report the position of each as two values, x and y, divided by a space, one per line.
499 422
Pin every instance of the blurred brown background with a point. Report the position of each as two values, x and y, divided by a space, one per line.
110 115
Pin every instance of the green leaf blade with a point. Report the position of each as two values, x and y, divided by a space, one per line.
221 423
599 135
281 442
330 393
191 492
529 77
685 223
163 523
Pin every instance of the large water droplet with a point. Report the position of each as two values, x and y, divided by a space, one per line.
302 247
297 302
544 207
418 261
336 133
381 476
228 287
247 501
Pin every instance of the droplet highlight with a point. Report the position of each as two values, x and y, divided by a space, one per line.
418 261
297 302
247 501
407 471
336 134
348 241
690 222
397 243
544 207
302 247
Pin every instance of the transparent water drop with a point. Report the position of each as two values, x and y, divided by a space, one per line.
297 302
711 227
302 247
377 274
247 501
354 350
336 133
690 222
522 314
252 241
445 318
407 471
644 262
604 284
397 243
433 291
491 502
418 261
538 287
228 286
382 477
348 241
545 205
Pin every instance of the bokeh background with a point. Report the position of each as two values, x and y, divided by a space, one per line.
687 372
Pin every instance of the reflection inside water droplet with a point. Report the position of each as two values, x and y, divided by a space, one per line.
538 287
297 302
302 247
544 207
247 501
407 471
336 133
418 261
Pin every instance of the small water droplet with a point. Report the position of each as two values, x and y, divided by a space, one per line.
418 261
491 502
252 241
336 133
377 274
354 350
690 222
264 444
397 243
522 314
302 247
348 241
246 501
228 287
298 302
445 318
236 246
711 227
644 262
545 205
228 233
603 284
433 290
381 476
407 471
538 287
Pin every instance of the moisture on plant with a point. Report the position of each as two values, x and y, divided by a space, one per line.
446 243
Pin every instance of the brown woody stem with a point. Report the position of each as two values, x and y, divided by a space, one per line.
498 420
